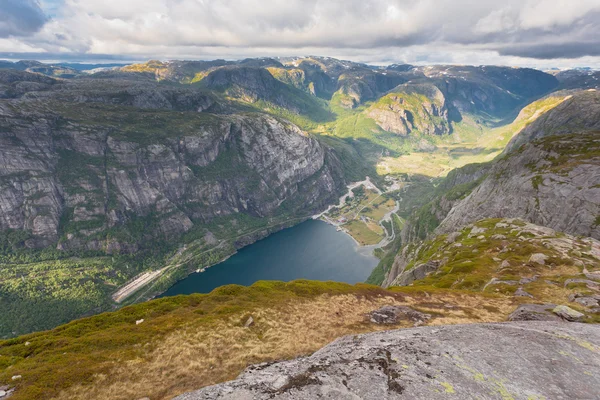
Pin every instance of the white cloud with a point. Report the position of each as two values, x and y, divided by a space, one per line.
235 28
543 14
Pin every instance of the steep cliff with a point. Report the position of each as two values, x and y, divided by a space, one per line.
552 164
84 158
412 107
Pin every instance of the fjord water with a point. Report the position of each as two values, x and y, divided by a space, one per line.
311 250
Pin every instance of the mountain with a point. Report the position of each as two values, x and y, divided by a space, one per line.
148 172
139 172
173 165
105 154
551 165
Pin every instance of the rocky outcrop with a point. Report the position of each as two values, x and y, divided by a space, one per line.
556 173
509 360
578 113
483 256
395 314
251 84
73 166
534 312
411 108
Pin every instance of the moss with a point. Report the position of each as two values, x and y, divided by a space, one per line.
448 388
536 181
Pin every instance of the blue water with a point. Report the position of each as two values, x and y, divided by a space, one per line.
311 250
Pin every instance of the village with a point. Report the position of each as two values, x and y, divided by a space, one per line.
365 212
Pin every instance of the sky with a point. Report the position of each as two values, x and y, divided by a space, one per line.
534 33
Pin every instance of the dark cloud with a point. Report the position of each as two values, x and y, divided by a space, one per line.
548 51
20 18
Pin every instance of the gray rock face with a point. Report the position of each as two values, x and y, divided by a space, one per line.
537 184
406 110
520 360
72 166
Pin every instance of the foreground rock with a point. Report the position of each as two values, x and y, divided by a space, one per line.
395 314
534 312
520 360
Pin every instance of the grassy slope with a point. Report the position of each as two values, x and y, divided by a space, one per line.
470 143
473 259
190 341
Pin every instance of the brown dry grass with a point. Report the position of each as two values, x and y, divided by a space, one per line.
196 356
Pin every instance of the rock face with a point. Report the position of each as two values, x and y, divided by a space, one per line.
579 113
411 108
518 360
74 166
550 174
534 312
551 165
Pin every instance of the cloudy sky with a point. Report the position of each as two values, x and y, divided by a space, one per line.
541 33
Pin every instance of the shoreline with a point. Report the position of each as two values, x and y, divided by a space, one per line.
149 278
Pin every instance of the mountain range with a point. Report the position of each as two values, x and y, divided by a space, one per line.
110 173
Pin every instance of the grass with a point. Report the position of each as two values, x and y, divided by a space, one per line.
470 143
186 342
363 233
479 258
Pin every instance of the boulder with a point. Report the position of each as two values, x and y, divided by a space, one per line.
510 360
396 314
534 312
524 281
522 293
451 238
585 300
538 258
568 313
476 231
